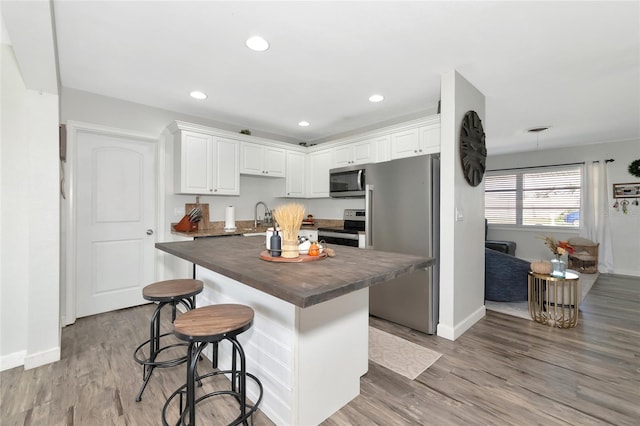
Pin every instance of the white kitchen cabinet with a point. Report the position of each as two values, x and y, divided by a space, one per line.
430 139
262 160
294 180
421 141
319 164
381 147
205 164
405 144
352 154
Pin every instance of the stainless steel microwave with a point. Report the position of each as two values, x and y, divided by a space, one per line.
347 182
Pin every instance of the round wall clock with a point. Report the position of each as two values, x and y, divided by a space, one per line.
473 152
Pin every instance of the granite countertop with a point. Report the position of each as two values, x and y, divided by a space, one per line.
302 284
216 229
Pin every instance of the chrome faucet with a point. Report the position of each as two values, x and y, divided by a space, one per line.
255 215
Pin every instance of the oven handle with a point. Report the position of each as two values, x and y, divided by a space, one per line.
337 235
368 204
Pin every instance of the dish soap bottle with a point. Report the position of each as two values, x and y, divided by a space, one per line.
275 243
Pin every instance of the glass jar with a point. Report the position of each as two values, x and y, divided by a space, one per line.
558 267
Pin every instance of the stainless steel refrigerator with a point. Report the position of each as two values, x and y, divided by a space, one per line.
402 216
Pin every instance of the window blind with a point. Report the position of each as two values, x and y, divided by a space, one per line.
548 196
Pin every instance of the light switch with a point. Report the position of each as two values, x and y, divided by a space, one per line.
459 215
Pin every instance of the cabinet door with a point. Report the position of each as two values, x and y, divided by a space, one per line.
251 159
382 148
319 165
362 152
274 161
294 181
342 156
194 163
405 144
227 170
429 139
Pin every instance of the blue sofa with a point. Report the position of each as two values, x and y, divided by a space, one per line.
505 277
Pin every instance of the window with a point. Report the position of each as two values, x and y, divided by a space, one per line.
542 196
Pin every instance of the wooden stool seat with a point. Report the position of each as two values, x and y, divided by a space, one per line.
170 290
213 323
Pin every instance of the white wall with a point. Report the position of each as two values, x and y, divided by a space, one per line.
461 241
625 228
29 277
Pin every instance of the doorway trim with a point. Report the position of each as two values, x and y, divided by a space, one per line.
68 211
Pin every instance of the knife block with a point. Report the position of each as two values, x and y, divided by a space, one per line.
185 226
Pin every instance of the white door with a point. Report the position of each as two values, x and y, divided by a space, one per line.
116 191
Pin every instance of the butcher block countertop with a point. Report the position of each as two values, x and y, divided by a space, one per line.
302 284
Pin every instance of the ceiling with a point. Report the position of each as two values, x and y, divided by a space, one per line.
570 66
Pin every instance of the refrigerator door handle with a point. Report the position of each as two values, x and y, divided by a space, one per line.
368 203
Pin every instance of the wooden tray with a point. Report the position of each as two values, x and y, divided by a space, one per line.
265 255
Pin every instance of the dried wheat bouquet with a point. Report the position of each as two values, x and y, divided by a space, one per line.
289 218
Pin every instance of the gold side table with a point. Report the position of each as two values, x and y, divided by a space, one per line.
554 301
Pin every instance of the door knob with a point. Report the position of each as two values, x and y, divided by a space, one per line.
149 231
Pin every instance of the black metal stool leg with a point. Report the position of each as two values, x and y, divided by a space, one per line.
195 349
154 346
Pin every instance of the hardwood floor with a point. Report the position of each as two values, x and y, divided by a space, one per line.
503 371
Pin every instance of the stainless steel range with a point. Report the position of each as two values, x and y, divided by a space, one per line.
352 234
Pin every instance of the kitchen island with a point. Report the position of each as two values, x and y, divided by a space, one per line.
309 341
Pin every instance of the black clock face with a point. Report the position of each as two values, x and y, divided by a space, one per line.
473 152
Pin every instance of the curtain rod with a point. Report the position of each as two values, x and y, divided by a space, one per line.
610 160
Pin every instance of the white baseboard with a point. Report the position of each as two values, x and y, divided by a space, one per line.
42 358
452 333
12 360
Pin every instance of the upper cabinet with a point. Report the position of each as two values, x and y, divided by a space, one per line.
262 160
205 164
210 161
419 141
353 154
295 181
317 172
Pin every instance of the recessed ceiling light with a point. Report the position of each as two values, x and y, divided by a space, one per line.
376 98
303 123
198 95
257 43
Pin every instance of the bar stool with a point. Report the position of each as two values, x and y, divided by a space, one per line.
212 324
172 292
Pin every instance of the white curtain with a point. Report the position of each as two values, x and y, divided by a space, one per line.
595 212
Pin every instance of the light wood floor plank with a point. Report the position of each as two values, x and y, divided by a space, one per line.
503 371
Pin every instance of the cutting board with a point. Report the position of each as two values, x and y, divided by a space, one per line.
204 222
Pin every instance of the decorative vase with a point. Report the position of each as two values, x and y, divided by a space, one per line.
558 267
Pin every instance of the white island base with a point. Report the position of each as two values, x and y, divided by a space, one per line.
309 360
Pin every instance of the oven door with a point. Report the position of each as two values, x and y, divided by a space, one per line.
339 238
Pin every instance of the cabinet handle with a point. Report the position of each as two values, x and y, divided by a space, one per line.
266 172
210 190
215 190
149 231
